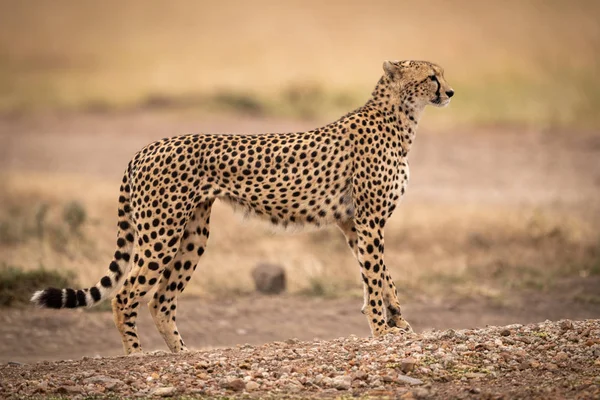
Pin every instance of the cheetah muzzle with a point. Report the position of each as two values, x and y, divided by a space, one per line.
351 173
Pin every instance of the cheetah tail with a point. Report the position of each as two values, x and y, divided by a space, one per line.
117 270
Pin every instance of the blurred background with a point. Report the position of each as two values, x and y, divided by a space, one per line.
499 224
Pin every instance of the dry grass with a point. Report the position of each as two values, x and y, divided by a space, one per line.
434 251
531 62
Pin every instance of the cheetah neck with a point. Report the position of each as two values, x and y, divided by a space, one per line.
400 112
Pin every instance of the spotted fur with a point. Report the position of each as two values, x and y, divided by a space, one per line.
351 173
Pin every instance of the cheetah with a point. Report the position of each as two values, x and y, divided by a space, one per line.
351 173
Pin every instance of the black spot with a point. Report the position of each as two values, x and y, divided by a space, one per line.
51 298
173 241
167 273
120 242
81 301
141 279
152 281
158 246
71 301
153 265
95 292
106 282
114 267
124 225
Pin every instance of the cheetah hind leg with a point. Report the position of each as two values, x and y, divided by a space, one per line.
163 306
150 264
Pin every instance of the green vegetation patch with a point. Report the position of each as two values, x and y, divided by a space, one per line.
17 285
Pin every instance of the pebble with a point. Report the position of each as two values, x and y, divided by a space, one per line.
342 382
106 382
474 375
164 391
237 385
408 364
409 379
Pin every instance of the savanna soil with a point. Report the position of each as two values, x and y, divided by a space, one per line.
551 360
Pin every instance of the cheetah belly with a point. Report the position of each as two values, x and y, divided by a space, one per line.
316 210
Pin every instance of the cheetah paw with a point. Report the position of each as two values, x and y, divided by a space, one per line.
400 323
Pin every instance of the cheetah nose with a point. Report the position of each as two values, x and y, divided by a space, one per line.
450 93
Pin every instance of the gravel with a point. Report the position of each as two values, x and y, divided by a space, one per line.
545 360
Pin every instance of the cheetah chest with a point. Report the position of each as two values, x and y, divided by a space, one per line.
401 176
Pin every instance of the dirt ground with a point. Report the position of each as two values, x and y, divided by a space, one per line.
31 335
493 168
549 360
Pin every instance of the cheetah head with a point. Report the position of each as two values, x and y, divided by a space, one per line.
419 82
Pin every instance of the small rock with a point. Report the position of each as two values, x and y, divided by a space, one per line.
566 325
105 381
408 364
525 364
164 391
449 334
505 332
73 389
360 374
475 390
293 387
342 382
269 278
251 385
551 366
474 375
561 356
237 385
409 380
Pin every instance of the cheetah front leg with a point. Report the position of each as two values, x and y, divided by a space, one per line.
390 294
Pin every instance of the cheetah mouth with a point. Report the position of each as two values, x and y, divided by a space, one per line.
439 102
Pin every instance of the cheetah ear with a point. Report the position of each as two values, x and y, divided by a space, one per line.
390 68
